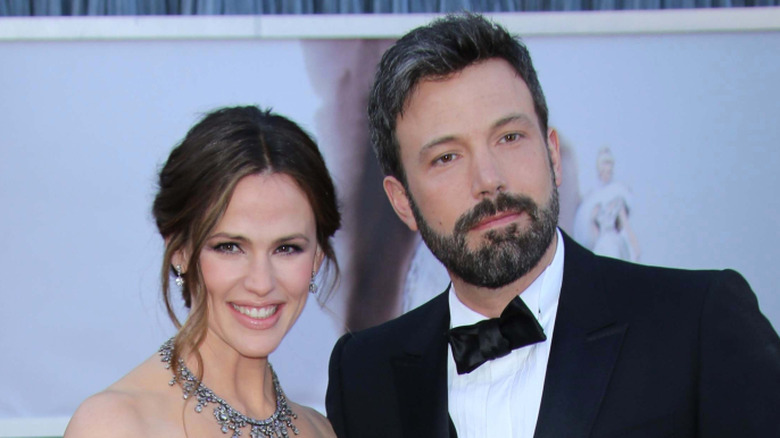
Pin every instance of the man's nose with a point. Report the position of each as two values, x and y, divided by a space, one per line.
488 178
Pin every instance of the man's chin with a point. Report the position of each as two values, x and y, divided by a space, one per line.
491 283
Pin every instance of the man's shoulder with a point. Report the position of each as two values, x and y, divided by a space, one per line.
613 270
634 284
616 271
638 270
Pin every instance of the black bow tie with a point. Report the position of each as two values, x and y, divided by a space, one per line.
473 345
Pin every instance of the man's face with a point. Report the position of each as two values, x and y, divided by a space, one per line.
481 175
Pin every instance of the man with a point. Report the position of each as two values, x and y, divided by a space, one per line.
593 347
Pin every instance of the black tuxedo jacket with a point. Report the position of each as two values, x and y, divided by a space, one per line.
637 352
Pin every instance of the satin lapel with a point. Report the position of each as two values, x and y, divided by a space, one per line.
586 343
421 373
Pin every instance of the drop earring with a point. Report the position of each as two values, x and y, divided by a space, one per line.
179 280
312 285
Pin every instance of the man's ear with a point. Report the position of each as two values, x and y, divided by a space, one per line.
397 195
554 151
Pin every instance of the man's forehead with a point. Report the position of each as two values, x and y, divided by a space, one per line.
440 78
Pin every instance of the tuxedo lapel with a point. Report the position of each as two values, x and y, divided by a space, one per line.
586 343
421 374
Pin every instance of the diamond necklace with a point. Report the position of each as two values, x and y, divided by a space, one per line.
229 419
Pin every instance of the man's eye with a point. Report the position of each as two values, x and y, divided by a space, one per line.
508 138
446 158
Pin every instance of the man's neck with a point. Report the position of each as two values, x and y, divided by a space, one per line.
491 302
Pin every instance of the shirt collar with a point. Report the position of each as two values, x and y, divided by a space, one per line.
541 296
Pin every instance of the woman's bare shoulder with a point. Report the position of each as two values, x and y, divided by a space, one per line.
109 413
128 407
311 423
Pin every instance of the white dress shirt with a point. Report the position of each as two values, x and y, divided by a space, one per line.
502 397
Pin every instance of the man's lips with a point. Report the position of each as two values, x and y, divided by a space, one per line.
497 220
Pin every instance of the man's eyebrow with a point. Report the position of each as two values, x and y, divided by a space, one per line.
518 117
435 142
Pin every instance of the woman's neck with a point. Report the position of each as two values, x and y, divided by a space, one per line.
244 383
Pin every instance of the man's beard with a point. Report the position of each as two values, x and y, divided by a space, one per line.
508 253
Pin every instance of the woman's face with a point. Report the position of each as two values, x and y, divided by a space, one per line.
257 264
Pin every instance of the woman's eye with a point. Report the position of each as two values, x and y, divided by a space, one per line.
228 248
288 249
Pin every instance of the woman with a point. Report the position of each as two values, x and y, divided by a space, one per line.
246 208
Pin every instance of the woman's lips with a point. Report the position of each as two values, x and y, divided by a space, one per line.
257 317
256 312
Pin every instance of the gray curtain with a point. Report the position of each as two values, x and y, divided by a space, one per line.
236 7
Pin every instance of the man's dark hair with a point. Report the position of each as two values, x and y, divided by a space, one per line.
437 50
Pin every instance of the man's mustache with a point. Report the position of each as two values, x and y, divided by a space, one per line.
504 202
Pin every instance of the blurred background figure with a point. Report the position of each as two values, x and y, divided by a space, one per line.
602 221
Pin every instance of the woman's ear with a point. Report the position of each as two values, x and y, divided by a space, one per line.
319 257
180 258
